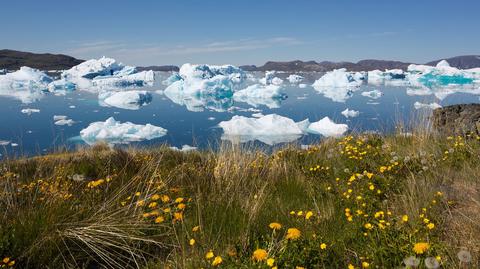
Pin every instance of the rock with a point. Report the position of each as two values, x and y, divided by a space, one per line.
457 119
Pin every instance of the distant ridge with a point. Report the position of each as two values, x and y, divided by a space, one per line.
13 60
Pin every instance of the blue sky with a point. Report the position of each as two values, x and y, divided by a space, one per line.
147 32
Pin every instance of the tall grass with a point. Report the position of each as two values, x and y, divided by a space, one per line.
359 201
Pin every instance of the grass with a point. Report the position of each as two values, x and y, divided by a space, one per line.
362 201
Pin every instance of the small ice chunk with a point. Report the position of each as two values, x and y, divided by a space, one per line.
62 122
257 115
433 105
374 94
327 128
72 106
302 85
29 111
211 118
350 113
184 148
14 145
59 117
4 143
114 132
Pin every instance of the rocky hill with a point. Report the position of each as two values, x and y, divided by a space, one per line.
13 60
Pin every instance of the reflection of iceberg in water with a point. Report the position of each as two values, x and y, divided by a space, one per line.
27 84
198 102
131 100
338 85
256 95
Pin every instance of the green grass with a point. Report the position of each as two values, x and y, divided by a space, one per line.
356 191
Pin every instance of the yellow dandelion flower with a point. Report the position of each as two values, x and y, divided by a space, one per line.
178 216
155 197
137 193
275 226
421 247
11 263
191 242
196 228
159 219
365 265
270 262
368 226
405 218
6 260
181 206
209 255
217 261
430 225
293 233
179 200
350 266
308 215
323 246
165 198
141 203
152 205
260 255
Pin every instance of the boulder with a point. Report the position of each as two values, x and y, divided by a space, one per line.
457 119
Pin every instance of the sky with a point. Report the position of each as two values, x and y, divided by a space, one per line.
148 32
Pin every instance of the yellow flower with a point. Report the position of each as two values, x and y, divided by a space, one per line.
323 246
217 261
299 267
365 264
421 247
6 260
178 216
308 215
369 175
293 233
300 213
350 266
11 263
159 219
152 204
430 225
141 203
405 218
179 200
165 198
155 197
275 226
196 228
270 261
371 187
192 242
181 206
260 255
209 255
368 226
137 193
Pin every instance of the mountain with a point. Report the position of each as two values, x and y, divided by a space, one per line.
462 62
13 60
164 68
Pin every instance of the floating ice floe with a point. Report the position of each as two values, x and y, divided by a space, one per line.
131 100
270 129
388 77
204 86
29 111
62 120
327 128
348 113
270 78
337 85
257 94
4 142
374 94
94 68
302 85
184 148
419 105
25 78
294 79
442 74
115 132
273 129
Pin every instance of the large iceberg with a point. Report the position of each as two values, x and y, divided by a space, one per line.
440 75
94 68
131 100
198 86
25 78
390 76
294 79
257 94
270 129
327 128
337 85
114 132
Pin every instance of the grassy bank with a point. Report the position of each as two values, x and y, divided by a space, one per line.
355 202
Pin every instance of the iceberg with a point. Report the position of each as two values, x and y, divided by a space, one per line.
257 94
338 78
141 79
131 100
350 113
25 78
114 132
93 68
270 78
205 86
442 74
419 105
326 127
62 120
270 129
294 79
29 111
337 85
374 94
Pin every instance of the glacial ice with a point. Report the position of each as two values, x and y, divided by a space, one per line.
441 75
131 100
338 78
419 105
326 127
62 120
270 78
29 111
115 132
257 94
270 129
93 68
294 79
25 78
350 113
374 94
